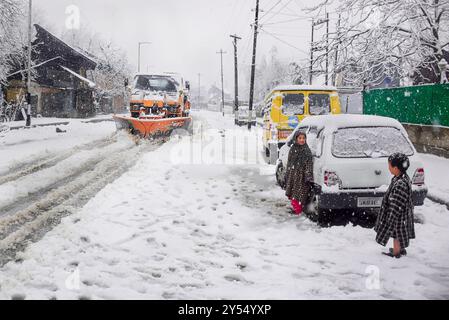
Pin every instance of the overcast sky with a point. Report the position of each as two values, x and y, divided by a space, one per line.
186 34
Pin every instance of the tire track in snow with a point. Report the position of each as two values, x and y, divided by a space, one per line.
31 223
22 202
47 161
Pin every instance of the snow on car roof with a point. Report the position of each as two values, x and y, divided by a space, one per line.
334 122
303 88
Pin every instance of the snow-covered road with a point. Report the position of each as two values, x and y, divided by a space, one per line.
210 230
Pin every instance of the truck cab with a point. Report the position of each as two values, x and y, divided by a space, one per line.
165 94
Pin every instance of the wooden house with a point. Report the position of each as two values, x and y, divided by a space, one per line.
60 87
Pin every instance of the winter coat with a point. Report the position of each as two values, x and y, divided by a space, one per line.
299 174
396 218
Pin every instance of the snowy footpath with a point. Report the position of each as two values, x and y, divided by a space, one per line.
213 227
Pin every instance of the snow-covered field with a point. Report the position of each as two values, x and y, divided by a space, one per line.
215 227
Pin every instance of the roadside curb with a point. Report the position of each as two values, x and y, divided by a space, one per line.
41 125
98 120
62 123
438 200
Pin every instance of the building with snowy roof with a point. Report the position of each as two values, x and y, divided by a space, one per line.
60 86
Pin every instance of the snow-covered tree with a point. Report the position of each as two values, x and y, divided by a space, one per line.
378 39
112 64
275 71
10 44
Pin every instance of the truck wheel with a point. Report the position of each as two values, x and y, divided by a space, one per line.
267 152
280 175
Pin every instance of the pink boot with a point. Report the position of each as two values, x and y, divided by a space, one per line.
297 207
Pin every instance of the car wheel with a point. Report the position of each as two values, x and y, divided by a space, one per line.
314 212
267 152
280 175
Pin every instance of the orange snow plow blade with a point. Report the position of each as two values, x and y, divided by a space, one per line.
151 126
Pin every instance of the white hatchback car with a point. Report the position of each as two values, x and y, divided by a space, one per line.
242 116
351 160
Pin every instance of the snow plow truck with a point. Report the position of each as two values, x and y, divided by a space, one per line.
159 105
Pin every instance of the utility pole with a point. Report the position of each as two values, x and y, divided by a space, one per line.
28 97
327 49
221 53
199 90
253 67
311 53
236 74
140 45
334 76
314 48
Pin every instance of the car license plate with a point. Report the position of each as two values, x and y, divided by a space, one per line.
369 202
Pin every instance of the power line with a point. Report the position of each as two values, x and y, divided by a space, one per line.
271 9
283 41
280 11
287 21
289 35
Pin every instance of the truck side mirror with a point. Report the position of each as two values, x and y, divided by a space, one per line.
188 85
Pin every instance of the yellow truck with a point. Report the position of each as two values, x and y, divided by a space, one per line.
286 106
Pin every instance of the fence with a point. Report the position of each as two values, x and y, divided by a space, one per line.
420 105
424 110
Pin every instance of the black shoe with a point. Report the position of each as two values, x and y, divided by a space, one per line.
391 255
403 252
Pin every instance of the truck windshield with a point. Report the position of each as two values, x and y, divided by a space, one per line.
319 104
370 142
152 83
293 104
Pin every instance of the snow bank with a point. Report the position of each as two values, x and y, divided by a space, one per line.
25 145
437 176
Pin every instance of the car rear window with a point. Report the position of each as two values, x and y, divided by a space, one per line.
293 104
319 104
372 142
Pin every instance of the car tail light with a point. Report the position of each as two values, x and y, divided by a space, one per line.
331 179
419 177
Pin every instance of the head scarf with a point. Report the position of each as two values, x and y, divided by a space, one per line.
303 151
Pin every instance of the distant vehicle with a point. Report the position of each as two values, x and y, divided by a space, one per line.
350 160
286 106
242 116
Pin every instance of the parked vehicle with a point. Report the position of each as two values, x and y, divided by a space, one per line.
287 106
242 116
351 160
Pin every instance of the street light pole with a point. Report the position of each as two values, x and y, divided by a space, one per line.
28 98
140 45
